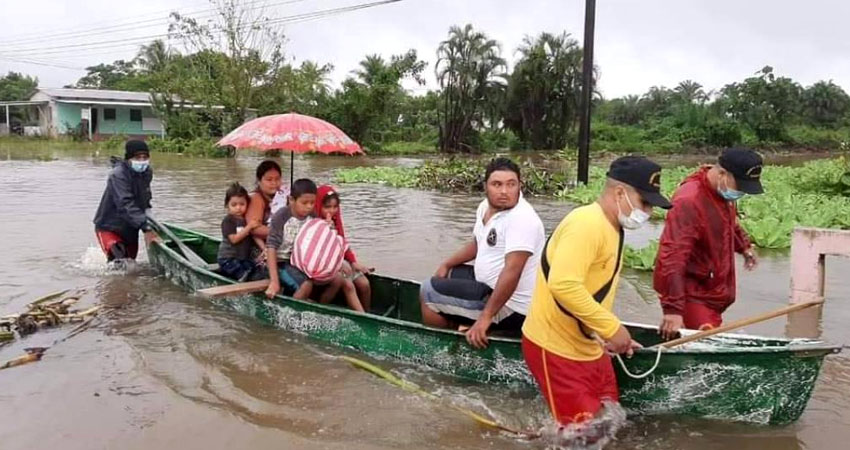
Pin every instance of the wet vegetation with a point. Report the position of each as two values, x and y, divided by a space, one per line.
815 194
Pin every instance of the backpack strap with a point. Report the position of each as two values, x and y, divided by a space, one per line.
599 296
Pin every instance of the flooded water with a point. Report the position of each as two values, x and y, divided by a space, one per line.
168 370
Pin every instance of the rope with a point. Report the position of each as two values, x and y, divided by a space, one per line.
645 374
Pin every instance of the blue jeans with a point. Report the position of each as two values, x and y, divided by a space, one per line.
235 268
290 277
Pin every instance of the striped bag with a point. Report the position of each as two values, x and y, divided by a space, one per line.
318 250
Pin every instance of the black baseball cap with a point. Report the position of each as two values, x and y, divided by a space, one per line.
745 165
643 175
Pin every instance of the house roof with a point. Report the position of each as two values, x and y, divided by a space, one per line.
94 95
102 97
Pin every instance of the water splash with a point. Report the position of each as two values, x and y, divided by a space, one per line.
93 263
591 435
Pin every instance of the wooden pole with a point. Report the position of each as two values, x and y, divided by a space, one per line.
740 323
291 168
586 93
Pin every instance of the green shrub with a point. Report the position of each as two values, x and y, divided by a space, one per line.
404 148
642 258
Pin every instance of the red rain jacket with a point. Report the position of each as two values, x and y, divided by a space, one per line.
696 254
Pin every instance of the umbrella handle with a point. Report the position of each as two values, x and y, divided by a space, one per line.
291 169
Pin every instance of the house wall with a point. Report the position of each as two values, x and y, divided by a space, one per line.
69 116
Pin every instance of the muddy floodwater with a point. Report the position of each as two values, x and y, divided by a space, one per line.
169 370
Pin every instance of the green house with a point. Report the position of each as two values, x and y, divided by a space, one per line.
91 112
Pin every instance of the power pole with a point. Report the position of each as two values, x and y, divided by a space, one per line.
586 93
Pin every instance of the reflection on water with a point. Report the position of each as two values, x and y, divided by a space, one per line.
168 365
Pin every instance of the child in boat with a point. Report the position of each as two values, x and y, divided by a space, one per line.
328 208
283 229
285 225
234 253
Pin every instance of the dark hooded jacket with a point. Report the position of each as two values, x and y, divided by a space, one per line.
125 200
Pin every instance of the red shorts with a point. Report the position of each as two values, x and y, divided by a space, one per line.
699 316
574 390
107 239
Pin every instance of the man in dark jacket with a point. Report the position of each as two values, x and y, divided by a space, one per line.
123 207
695 269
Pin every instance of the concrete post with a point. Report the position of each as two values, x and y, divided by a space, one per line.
8 122
809 248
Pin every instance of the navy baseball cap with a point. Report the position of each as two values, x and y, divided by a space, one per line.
643 175
745 165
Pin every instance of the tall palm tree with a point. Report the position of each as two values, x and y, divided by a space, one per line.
545 90
690 91
154 56
468 65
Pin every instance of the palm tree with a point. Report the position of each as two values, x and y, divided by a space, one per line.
690 91
468 66
154 56
372 68
545 90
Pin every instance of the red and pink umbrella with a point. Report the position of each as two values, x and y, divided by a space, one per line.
291 132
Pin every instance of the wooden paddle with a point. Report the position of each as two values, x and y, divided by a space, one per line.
187 252
235 289
740 323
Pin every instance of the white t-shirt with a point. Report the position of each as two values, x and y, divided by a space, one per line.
517 229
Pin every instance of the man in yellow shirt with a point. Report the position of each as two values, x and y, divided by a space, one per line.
576 285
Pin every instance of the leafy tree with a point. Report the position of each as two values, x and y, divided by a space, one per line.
303 89
120 75
369 104
658 100
765 103
237 51
626 110
17 87
825 104
544 91
468 65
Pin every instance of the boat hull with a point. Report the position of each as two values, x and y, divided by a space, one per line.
736 378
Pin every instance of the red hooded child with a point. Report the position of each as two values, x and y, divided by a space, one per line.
323 192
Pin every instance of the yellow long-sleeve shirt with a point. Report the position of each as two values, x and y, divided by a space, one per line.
582 255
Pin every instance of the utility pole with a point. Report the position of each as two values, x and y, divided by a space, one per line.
586 93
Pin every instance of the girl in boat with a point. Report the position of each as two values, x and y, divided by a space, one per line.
327 207
259 205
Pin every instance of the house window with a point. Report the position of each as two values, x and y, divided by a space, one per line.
135 115
109 114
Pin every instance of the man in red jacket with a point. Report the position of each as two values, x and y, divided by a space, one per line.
695 269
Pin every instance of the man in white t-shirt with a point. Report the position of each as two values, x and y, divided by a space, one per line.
508 240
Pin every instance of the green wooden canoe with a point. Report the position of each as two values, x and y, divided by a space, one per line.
727 377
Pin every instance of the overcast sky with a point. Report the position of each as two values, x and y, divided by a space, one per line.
639 43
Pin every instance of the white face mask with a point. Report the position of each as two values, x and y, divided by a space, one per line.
636 219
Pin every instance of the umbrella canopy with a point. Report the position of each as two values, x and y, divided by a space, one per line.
291 132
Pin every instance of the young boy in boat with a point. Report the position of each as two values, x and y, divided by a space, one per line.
283 229
695 268
285 225
574 296
354 273
234 253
